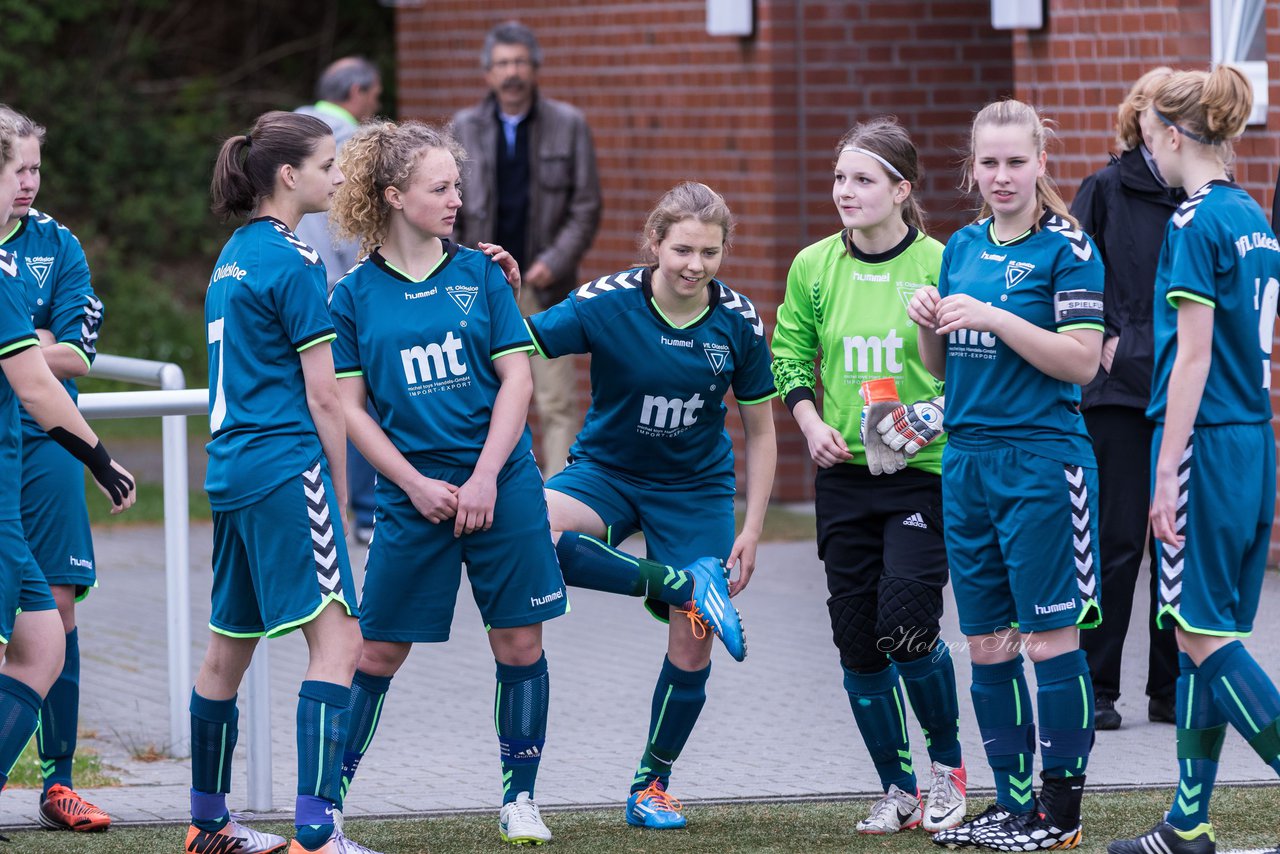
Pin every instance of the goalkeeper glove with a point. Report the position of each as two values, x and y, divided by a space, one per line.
908 428
881 398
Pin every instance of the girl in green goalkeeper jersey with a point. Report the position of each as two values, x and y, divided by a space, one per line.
878 496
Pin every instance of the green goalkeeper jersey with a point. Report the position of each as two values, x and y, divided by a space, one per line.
848 310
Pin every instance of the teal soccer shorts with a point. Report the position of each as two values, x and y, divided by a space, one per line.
54 515
1227 495
1022 538
278 562
681 522
415 567
22 585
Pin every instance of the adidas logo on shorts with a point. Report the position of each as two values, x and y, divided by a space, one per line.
915 520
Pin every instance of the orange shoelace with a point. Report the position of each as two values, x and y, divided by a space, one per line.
697 622
659 799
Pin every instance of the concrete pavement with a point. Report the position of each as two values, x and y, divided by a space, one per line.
777 726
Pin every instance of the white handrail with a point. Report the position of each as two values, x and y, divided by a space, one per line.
174 402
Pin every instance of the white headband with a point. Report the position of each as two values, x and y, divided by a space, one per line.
876 157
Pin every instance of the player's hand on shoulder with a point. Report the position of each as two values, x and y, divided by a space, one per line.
923 307
504 259
436 500
742 561
961 311
476 498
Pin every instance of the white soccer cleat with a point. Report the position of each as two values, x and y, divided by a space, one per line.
233 837
520 823
947 801
897 810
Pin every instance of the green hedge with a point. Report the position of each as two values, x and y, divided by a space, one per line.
136 96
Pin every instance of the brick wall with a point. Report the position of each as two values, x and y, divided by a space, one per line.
756 118
1079 68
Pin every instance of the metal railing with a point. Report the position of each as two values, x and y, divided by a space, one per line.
174 402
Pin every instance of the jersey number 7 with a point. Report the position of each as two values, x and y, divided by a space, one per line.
219 411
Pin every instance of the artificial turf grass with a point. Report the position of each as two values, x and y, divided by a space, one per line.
1246 818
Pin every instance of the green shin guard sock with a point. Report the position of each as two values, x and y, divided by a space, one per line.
1201 730
589 563
880 713
678 699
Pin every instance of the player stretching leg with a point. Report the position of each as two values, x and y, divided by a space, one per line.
667 342
879 512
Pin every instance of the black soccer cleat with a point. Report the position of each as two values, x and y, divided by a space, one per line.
961 836
1164 838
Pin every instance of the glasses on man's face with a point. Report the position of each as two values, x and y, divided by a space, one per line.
504 64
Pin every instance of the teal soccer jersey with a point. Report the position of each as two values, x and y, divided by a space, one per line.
426 351
264 306
1051 278
657 391
52 265
1219 250
16 335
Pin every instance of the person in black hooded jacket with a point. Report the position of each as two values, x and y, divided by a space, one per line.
1124 207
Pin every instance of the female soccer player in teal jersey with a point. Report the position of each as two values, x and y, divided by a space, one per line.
879 532
55 518
1014 326
276 481
30 628
667 342
430 333
1215 313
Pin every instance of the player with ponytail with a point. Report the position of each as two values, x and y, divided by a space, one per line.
1215 309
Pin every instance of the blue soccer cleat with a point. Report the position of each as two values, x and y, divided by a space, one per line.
711 607
654 808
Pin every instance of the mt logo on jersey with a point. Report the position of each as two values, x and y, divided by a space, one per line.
435 367
668 416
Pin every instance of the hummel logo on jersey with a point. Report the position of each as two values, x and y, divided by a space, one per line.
735 301
40 267
1187 210
421 294
915 520
229 271
663 413
1016 272
870 277
463 295
875 355
8 263
82 563
987 256
312 256
716 355
677 342
434 361
1080 244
